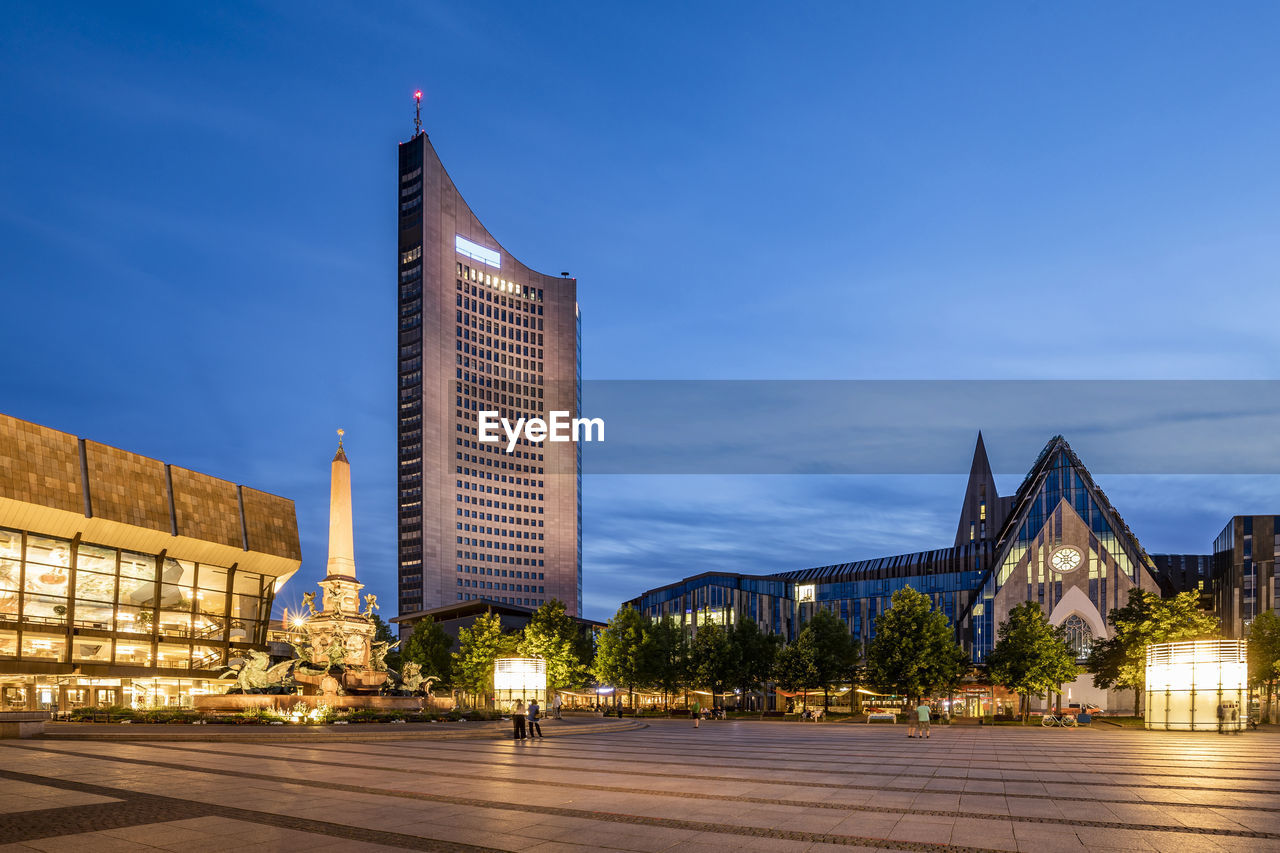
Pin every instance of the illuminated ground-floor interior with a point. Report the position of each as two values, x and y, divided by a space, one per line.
63 693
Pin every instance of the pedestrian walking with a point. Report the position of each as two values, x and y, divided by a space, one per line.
922 717
912 719
696 709
555 706
517 719
1222 716
534 728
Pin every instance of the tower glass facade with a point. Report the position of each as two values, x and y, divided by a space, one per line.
479 331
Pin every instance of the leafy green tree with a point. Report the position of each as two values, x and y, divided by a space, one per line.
1121 661
711 658
478 647
794 667
665 652
553 636
914 651
858 675
429 647
833 651
755 653
620 654
1264 657
1030 655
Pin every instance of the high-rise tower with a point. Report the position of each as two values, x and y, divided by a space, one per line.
480 331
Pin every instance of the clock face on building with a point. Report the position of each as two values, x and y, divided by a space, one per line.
1065 559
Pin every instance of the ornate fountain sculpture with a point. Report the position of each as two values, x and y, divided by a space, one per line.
338 661
337 654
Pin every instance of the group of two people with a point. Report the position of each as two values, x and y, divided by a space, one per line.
531 715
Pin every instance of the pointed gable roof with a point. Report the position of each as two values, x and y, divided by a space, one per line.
980 490
1058 455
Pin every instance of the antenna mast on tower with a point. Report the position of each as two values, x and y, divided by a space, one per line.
417 112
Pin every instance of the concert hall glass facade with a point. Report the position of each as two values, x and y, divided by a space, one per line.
126 581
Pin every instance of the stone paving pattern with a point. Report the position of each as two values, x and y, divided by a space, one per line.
727 786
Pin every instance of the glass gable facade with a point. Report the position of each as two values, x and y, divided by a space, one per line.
1057 480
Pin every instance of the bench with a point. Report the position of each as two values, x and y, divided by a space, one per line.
22 724
884 715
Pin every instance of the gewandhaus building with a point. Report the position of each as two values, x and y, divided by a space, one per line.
1057 541
125 581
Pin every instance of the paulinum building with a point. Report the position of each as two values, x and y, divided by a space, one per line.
1057 541
126 581
479 331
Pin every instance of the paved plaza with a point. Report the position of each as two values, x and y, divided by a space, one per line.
728 786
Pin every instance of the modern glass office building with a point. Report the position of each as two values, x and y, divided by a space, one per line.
479 331
126 581
1244 570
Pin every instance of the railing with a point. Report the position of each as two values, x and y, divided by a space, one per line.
206 661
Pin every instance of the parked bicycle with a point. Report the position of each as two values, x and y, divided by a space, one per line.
1066 721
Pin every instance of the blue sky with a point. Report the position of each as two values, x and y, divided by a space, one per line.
196 226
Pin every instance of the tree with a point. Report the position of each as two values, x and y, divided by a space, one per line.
1030 655
833 651
620 659
914 651
794 668
429 647
553 636
1121 661
711 659
478 647
665 653
755 653
1264 657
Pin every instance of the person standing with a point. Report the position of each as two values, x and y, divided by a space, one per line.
912 719
1222 715
517 719
697 713
555 706
534 728
922 717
